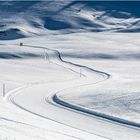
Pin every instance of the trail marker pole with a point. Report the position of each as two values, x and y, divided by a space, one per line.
46 56
80 72
3 89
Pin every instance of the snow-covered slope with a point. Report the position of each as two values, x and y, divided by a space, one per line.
77 74
39 17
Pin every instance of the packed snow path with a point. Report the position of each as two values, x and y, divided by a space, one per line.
39 98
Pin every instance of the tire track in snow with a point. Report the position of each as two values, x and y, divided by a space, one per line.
57 100
58 55
39 128
62 102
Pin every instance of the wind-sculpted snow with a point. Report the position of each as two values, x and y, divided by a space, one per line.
42 17
11 34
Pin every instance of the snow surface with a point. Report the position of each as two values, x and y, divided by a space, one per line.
78 79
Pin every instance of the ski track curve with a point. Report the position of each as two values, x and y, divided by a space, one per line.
55 99
11 94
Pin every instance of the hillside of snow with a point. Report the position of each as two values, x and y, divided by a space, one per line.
42 17
69 70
